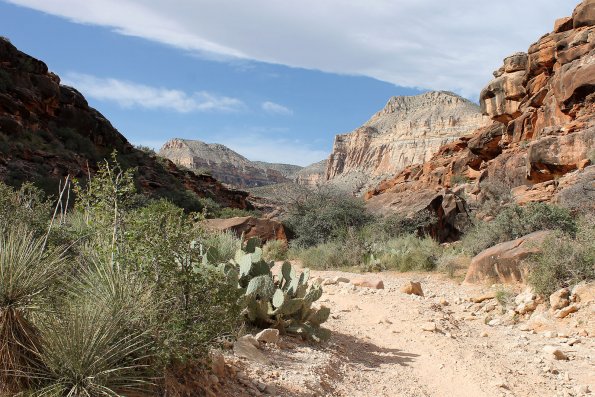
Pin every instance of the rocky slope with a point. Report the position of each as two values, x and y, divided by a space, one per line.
48 131
312 175
540 143
225 164
407 131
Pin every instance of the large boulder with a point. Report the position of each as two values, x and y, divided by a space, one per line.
248 226
503 262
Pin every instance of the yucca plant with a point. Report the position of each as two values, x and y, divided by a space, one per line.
27 272
87 353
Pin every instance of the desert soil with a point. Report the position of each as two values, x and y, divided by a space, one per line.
383 345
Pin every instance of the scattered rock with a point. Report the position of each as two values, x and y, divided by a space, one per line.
562 313
429 326
484 334
526 307
269 335
444 302
583 292
217 363
384 320
484 297
494 322
318 281
412 288
555 352
328 281
549 334
374 284
249 339
244 348
559 299
339 280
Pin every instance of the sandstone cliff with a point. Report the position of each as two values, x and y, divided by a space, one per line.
48 131
312 175
540 143
407 131
225 164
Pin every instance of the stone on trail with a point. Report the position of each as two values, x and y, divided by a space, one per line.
562 313
429 326
555 352
249 339
560 299
339 280
374 284
412 288
269 335
484 297
244 348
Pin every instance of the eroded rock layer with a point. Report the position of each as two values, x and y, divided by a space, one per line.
542 138
407 131
225 164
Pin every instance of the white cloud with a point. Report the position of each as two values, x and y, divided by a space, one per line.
275 108
431 44
128 94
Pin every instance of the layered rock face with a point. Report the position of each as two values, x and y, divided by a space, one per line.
225 164
48 131
407 131
541 141
312 175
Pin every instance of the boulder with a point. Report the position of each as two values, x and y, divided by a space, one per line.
564 312
583 293
248 226
502 263
412 288
269 335
245 349
584 14
560 299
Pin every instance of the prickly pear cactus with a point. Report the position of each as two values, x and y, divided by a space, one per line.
283 301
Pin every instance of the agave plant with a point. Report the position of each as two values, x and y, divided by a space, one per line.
27 271
87 353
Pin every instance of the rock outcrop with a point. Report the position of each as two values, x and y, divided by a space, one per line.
48 131
407 131
225 164
248 226
312 175
542 138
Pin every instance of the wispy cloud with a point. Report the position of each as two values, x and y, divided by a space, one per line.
129 95
430 44
275 108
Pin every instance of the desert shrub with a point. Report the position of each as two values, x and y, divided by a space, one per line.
395 225
514 222
28 272
146 149
458 180
275 250
223 245
564 260
504 297
25 206
409 253
322 256
451 262
228 212
5 80
325 215
495 195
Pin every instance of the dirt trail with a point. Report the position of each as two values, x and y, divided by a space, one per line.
380 348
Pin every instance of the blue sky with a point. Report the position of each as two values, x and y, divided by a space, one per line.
272 82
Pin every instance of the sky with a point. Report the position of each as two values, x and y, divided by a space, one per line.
273 80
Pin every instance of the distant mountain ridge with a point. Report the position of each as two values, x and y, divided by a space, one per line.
226 165
48 131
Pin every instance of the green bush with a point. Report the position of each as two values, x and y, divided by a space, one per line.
514 222
453 262
564 261
323 256
409 253
395 225
223 245
275 250
25 206
324 215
